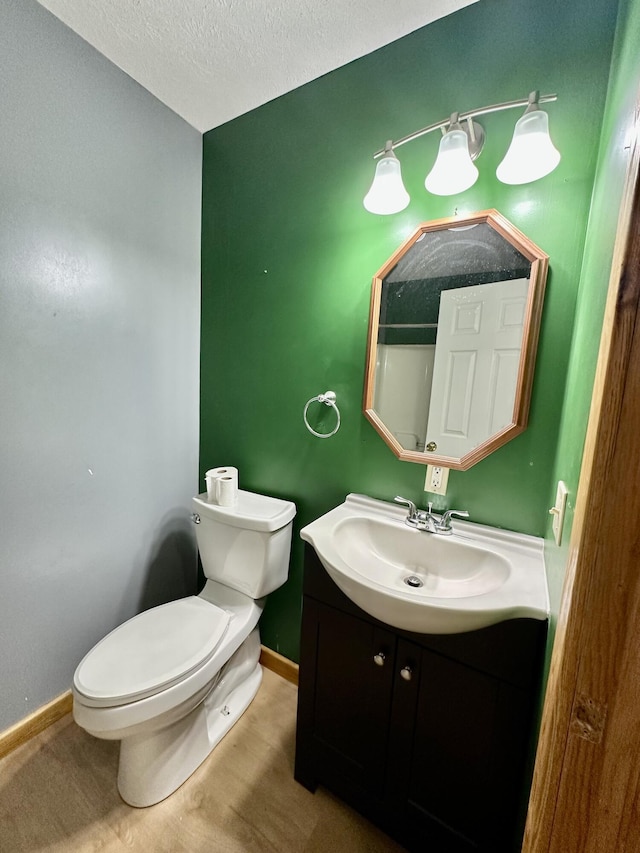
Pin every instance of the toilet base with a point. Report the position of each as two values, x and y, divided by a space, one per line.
153 765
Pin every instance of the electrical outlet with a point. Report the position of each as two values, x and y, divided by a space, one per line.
436 480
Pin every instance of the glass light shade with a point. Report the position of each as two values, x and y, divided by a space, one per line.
453 172
532 154
387 193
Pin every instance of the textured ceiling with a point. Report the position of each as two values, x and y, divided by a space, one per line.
212 60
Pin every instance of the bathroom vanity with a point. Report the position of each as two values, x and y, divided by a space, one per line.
427 735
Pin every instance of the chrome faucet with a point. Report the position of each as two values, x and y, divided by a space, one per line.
444 525
424 519
421 519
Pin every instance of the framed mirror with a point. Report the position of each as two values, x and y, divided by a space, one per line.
453 333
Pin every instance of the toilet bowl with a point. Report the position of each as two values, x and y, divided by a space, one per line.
171 681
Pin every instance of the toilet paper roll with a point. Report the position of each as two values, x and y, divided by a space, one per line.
227 491
222 485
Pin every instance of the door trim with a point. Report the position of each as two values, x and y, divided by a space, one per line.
586 784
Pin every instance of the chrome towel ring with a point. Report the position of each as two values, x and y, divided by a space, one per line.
329 399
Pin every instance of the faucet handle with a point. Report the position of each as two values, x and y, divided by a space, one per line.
444 525
413 510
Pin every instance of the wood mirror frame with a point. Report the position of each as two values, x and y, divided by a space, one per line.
538 261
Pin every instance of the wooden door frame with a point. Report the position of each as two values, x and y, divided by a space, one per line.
585 795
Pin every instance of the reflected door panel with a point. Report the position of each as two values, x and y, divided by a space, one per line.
476 364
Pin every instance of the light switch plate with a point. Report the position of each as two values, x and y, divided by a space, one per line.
436 480
558 511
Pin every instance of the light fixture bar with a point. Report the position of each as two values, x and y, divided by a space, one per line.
471 114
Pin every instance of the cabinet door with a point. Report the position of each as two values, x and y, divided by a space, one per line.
457 752
344 702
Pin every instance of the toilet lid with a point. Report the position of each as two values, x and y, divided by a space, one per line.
152 651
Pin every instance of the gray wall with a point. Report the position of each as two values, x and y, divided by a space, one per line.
100 189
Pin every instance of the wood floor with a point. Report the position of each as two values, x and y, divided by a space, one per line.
58 793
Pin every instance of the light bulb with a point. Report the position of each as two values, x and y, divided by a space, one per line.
532 154
453 172
387 193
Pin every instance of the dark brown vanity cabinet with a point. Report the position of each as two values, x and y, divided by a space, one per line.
426 735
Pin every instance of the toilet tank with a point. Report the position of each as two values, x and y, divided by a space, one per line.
247 546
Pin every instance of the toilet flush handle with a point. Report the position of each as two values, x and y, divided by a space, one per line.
195 518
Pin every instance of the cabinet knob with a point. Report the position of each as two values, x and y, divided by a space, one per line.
379 659
407 673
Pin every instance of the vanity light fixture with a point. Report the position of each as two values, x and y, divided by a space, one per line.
531 155
387 193
454 172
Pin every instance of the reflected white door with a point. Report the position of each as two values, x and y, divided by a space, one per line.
476 365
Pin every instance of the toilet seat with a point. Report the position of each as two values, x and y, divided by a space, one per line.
151 652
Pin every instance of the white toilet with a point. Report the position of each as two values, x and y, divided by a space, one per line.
171 682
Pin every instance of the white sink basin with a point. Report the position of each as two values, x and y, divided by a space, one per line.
426 582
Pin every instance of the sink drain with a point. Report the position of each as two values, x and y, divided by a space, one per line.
413 581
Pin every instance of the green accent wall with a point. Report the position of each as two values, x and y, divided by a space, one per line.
288 253
617 127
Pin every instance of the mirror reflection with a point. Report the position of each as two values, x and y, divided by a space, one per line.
452 337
